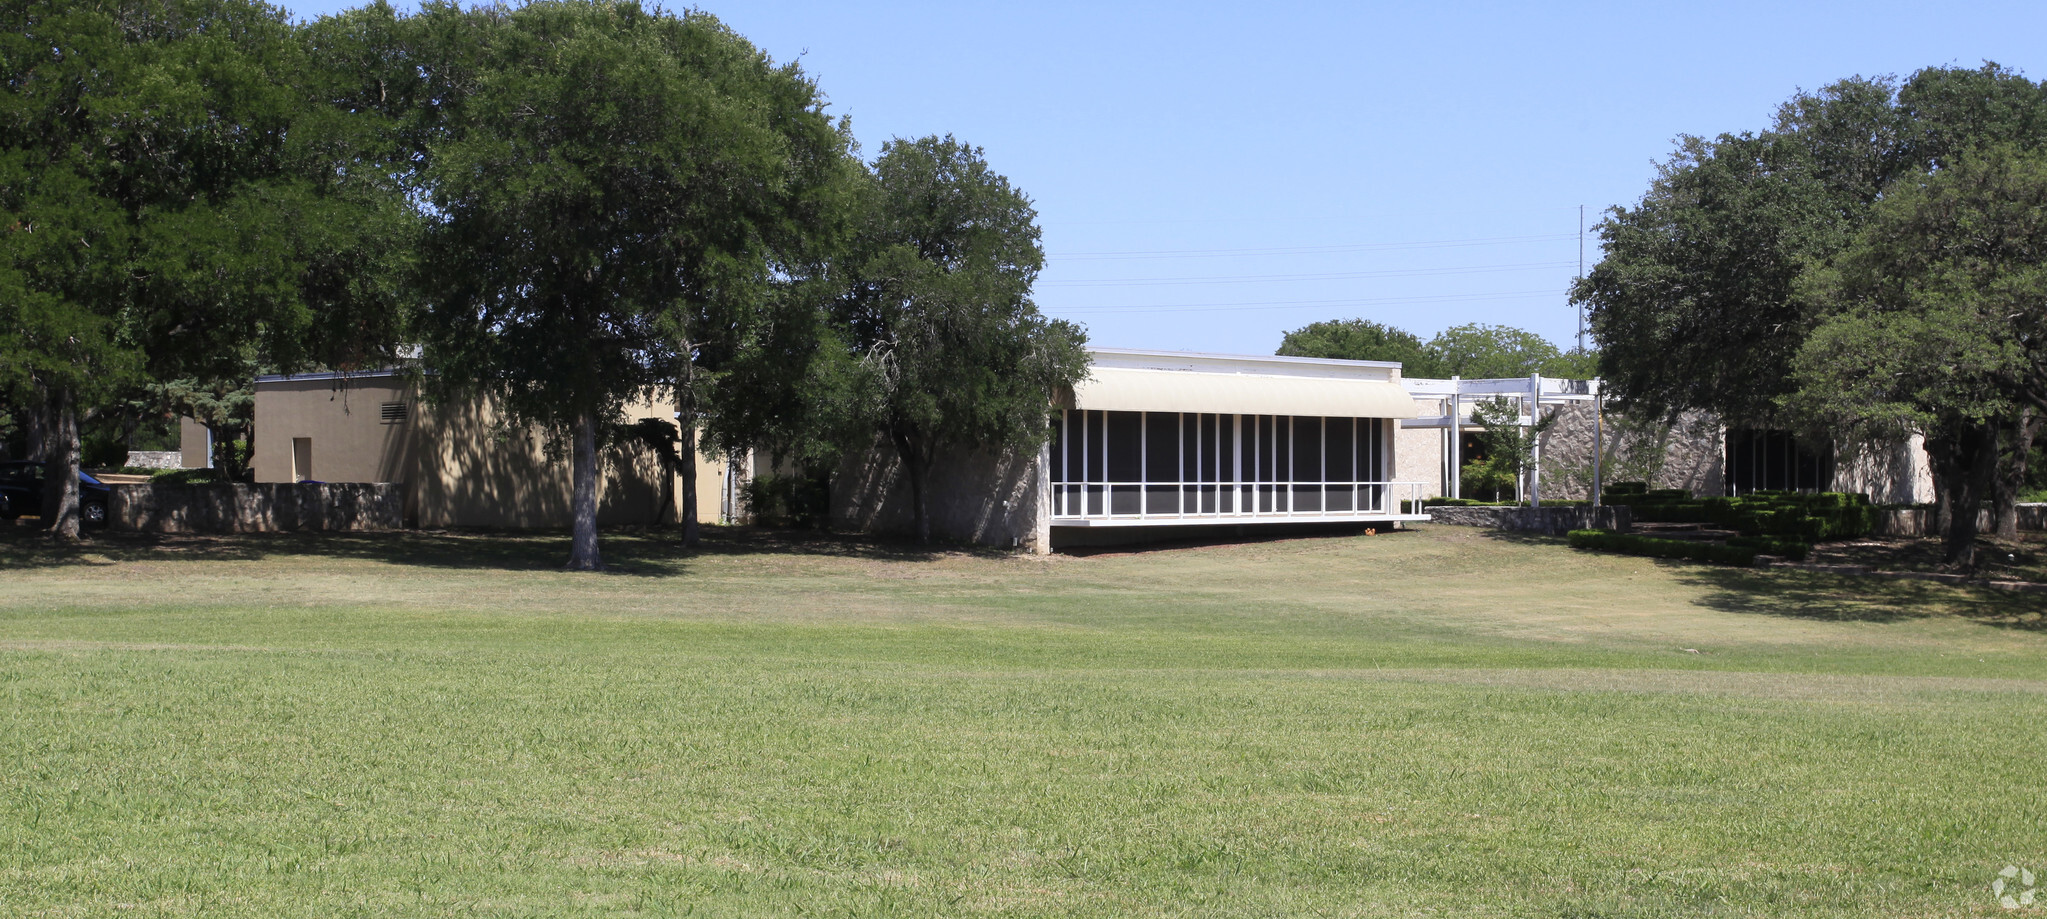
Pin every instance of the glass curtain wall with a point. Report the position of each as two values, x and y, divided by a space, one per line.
1175 464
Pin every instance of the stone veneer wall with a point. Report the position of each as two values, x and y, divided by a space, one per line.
1688 455
262 508
154 459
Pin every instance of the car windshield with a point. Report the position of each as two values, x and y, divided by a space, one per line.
87 478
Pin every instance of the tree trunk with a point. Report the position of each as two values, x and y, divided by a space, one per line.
2016 443
687 457
913 463
1974 464
36 425
1940 462
583 499
60 468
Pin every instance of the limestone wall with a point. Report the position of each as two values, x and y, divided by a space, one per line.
265 508
979 497
153 459
1689 454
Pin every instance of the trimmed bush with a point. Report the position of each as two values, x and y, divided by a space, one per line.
1769 545
1630 544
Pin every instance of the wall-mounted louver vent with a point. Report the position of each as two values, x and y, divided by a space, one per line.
394 412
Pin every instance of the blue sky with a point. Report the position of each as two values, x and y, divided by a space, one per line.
1209 176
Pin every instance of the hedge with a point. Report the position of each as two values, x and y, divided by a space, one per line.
1630 544
1797 516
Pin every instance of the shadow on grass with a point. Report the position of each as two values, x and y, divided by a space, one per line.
1835 597
629 551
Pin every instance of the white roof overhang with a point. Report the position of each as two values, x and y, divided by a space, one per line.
1129 389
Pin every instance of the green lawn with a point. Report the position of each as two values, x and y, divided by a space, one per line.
1439 723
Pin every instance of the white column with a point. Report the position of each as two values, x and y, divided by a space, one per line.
1535 418
1599 435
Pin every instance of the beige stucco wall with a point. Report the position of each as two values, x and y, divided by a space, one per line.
1418 457
350 443
711 475
473 473
459 466
973 496
192 444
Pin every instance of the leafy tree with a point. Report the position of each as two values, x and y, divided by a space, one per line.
178 198
1696 302
1364 340
1692 300
597 174
954 355
1509 446
1479 351
1935 325
1474 351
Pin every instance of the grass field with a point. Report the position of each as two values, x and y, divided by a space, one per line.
1438 723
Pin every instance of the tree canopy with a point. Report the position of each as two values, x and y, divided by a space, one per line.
181 196
1692 300
1473 350
953 352
598 176
1363 340
1836 272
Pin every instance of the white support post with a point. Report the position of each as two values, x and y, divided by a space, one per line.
1598 436
1237 469
1535 422
1065 450
1143 464
1086 460
1456 483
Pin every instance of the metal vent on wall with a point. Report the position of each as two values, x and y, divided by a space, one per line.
394 412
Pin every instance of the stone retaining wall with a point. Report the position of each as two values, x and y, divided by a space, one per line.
1549 521
155 459
264 508
1918 521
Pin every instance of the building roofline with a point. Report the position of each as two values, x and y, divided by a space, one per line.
327 375
1242 358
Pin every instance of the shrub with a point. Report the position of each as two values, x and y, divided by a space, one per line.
789 500
1630 544
189 477
1768 545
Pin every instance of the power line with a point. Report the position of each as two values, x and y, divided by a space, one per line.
1333 276
1301 250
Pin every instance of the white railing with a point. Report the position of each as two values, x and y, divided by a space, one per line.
1235 500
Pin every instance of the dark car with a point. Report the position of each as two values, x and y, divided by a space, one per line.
21 493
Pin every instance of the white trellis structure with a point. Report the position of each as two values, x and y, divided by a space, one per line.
1534 396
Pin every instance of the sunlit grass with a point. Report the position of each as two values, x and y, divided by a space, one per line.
1438 723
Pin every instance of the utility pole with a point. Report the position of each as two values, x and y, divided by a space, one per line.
1581 276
